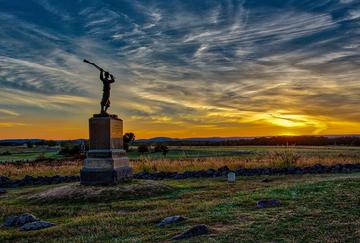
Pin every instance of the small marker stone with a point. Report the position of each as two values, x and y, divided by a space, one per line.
231 177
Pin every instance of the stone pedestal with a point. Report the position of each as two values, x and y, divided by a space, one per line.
106 161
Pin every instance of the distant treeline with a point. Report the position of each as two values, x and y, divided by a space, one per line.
259 141
30 143
38 142
271 141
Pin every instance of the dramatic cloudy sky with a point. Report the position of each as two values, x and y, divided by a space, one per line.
183 68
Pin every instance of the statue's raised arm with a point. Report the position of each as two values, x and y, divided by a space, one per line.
102 75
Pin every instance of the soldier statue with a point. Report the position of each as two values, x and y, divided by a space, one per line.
107 80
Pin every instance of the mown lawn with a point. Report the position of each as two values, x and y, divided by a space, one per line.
315 208
21 153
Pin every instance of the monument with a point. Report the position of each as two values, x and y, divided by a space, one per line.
106 162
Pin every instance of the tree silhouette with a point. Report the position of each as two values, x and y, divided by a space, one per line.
128 138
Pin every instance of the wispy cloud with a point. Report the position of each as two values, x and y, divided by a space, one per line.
11 124
9 112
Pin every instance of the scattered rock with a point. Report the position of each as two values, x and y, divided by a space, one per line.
36 225
4 180
210 172
11 221
188 174
268 203
266 180
2 191
200 229
171 220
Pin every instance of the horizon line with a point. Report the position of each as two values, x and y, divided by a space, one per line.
184 138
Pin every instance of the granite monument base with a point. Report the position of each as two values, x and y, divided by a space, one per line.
106 162
105 176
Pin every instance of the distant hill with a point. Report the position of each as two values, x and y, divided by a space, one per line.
36 141
204 139
222 139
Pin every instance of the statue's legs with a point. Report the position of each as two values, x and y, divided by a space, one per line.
105 102
107 105
102 105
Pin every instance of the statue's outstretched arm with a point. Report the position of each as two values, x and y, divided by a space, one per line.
101 74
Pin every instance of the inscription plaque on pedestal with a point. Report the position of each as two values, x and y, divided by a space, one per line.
106 162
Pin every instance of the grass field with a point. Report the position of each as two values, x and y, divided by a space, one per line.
193 152
314 208
182 159
181 152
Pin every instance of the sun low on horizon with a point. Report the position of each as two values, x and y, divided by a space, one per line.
181 68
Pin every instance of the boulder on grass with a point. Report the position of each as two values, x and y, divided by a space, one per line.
36 225
268 203
171 220
200 229
16 221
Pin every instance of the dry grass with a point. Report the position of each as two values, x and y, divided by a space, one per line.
285 158
272 159
40 169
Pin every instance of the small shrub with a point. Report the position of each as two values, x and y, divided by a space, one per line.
70 149
285 158
143 149
161 148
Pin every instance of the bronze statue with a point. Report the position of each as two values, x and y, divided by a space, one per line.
107 79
